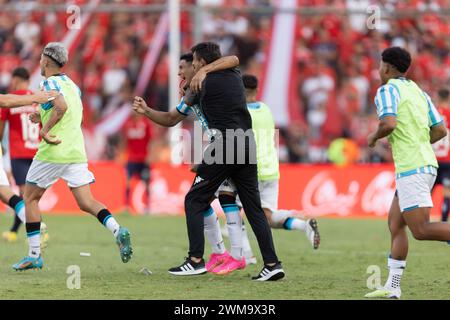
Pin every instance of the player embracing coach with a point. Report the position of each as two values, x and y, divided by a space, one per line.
230 154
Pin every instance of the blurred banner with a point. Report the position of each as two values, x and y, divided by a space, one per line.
278 77
354 191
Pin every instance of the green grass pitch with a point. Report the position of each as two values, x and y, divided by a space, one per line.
338 270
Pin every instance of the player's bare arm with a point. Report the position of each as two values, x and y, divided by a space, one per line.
13 100
220 64
385 128
58 111
165 119
437 132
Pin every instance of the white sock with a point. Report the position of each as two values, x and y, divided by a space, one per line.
279 217
20 211
248 252
112 225
234 226
212 231
34 245
396 268
295 224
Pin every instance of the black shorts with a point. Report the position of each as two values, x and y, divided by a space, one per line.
140 169
443 176
19 169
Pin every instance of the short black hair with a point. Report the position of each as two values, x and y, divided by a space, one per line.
397 57
21 73
208 51
250 81
444 93
188 57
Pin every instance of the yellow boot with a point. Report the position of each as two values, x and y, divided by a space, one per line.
9 236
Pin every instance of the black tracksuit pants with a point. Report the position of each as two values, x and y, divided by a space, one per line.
208 179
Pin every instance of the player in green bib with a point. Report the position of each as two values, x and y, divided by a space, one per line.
61 154
268 183
411 122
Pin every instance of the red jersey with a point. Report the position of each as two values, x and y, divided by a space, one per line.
138 132
442 147
23 134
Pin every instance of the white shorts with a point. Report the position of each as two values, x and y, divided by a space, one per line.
414 191
268 191
3 176
45 174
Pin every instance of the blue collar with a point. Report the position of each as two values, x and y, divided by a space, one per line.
253 105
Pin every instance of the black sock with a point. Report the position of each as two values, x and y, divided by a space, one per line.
226 200
32 228
445 208
13 203
16 224
103 216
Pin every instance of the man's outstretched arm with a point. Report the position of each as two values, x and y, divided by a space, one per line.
218 65
165 119
13 100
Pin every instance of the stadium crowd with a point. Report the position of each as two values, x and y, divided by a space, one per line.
337 53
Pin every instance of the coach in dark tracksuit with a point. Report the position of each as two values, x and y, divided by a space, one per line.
222 102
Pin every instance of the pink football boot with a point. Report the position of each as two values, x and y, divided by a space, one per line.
216 259
229 266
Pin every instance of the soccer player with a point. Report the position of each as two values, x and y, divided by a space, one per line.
442 151
268 179
138 133
171 118
231 154
411 122
23 139
204 187
61 154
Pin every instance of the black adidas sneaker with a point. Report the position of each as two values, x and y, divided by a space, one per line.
189 268
272 273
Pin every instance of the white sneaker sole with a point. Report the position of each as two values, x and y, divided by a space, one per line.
189 273
272 276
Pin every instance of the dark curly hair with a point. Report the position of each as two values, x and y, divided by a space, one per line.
397 57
